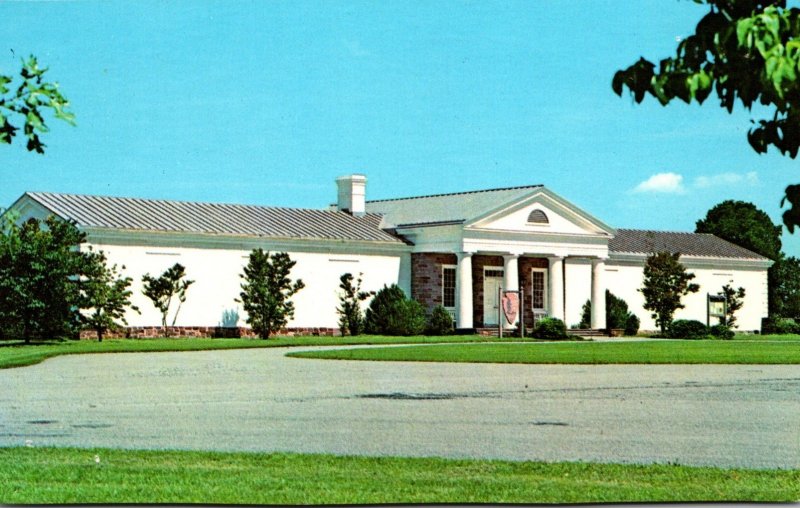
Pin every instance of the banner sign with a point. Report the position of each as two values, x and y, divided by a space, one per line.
510 304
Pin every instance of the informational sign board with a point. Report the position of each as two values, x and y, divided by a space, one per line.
717 308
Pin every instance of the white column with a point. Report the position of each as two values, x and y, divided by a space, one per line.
464 290
511 281
598 294
556 309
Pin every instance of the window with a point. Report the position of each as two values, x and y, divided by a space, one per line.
539 288
449 287
538 217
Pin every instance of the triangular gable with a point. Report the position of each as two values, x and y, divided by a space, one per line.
27 207
562 216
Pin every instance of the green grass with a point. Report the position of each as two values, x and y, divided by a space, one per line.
14 354
789 337
666 351
71 476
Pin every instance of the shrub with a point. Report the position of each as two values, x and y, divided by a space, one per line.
550 329
687 329
391 313
617 314
779 326
722 332
440 322
631 325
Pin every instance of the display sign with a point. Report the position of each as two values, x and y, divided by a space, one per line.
510 304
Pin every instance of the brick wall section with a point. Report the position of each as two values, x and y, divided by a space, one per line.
426 277
147 332
426 280
526 284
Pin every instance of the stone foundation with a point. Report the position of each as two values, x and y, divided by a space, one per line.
217 332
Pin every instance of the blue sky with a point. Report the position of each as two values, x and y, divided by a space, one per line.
267 102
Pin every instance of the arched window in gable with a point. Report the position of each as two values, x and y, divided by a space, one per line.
538 217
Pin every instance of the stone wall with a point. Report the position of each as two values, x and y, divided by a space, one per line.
148 332
426 277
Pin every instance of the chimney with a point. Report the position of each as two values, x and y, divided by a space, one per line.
352 194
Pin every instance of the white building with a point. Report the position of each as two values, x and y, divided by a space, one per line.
450 249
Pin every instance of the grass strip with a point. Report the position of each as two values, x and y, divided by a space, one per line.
72 476
19 355
654 352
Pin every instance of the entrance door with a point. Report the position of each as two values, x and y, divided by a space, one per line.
492 282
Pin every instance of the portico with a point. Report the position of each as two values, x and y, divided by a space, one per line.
528 240
541 282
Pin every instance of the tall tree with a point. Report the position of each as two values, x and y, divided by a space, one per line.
666 281
267 291
745 51
745 225
40 270
25 100
105 295
784 288
163 289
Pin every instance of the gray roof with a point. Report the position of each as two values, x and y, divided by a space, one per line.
640 241
212 218
444 208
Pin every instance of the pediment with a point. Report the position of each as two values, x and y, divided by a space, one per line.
541 212
26 208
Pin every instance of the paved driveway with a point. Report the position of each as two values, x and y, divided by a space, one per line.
722 415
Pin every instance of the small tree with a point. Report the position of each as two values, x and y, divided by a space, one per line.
665 283
163 289
104 294
266 291
735 300
350 318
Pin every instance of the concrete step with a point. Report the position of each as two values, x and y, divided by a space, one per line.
588 332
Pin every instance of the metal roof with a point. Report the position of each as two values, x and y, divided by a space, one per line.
641 241
445 208
212 218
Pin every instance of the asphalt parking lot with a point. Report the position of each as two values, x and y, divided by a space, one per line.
259 400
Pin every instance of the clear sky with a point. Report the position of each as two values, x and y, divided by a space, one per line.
266 102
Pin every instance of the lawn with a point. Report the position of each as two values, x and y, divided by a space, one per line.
14 354
71 476
662 351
